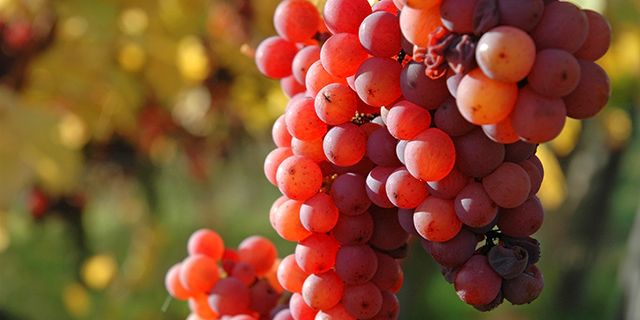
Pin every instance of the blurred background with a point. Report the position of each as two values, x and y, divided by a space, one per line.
127 125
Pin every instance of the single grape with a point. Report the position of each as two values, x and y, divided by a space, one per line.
430 155
207 242
345 15
345 144
522 14
436 220
299 177
482 100
296 20
555 73
476 283
377 81
565 16
323 291
380 34
598 38
274 56
505 54
342 54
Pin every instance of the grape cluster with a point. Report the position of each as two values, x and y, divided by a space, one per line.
420 118
226 283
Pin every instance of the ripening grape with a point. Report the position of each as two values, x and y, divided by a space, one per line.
376 186
264 297
404 190
317 78
381 148
323 291
290 275
244 272
388 234
286 221
449 186
534 176
299 308
345 15
311 149
259 251
199 304
509 185
377 81
505 54
299 177
198 273
207 242
453 252
416 24
362 301
345 144
482 100
336 104
388 272
436 220
537 119
348 192
406 119
302 121
474 207
274 56
420 89
476 154
523 220
353 230
342 54
291 87
273 160
390 307
598 38
280 134
448 119
430 155
336 312
303 61
524 288
229 296
319 214
317 253
380 34
518 151
296 20
592 93
457 15
522 14
476 283
565 16
173 285
555 73
356 264
501 131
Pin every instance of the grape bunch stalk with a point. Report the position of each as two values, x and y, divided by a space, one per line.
420 119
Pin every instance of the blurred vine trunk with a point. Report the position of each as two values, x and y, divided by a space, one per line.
630 273
584 237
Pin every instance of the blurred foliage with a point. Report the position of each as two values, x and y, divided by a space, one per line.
127 125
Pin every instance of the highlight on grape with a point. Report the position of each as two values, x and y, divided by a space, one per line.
406 119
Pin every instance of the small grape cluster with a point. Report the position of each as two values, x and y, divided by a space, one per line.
420 118
226 283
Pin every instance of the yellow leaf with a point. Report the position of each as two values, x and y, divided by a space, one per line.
76 299
99 270
554 188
